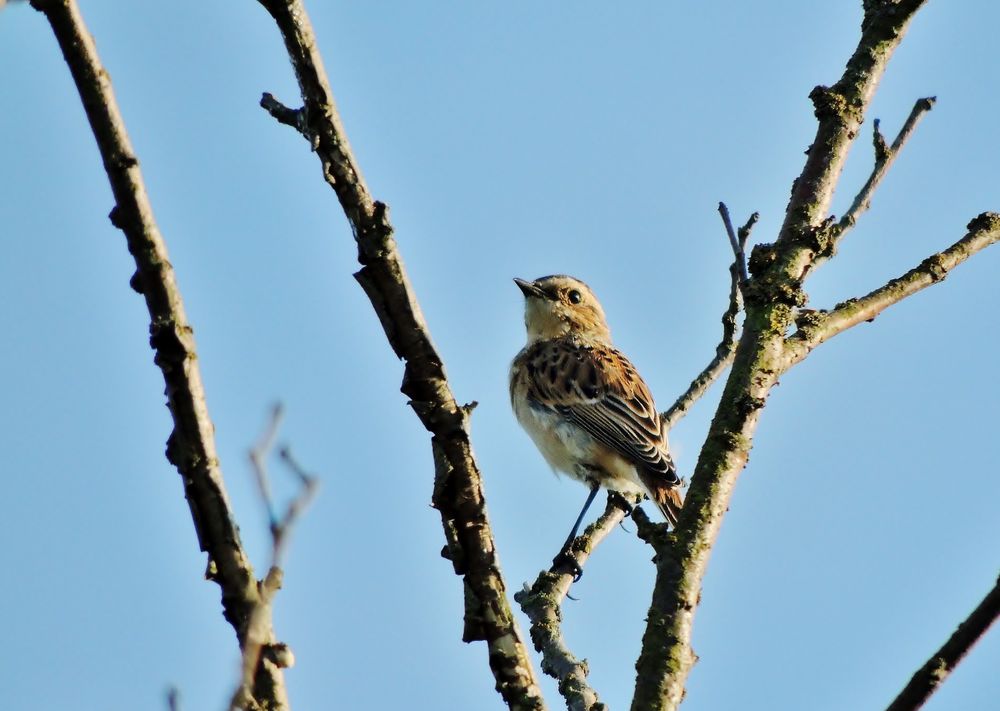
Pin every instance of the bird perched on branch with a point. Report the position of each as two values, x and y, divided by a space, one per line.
583 403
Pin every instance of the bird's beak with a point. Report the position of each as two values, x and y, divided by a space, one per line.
528 288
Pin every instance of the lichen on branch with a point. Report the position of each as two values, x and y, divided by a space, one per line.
458 492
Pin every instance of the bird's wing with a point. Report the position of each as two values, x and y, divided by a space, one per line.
597 388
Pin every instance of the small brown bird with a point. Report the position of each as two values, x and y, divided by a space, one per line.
583 403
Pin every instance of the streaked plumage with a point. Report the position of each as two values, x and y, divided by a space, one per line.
582 401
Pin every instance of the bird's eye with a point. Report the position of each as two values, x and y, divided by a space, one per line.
574 296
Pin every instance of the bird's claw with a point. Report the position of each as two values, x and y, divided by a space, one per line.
622 502
566 561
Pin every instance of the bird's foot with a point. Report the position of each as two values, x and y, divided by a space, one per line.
622 502
565 561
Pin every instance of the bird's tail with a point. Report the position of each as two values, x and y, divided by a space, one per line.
669 500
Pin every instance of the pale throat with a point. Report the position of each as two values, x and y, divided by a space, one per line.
544 323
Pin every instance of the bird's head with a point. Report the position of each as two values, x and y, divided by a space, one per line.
556 306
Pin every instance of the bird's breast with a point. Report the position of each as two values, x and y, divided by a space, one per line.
569 449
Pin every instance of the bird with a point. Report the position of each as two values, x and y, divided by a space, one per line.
585 405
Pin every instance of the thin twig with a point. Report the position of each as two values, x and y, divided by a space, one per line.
932 674
258 456
717 366
310 485
259 637
818 326
744 232
191 445
830 233
458 492
735 242
727 346
541 603
884 158
283 114
173 699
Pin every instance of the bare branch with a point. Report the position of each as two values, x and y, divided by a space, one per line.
283 114
258 457
260 635
743 233
932 674
738 244
657 535
542 602
458 493
778 271
817 326
724 353
310 485
830 234
727 346
884 158
191 445
840 110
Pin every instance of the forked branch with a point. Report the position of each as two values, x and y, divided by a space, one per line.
738 241
777 274
191 445
260 627
884 158
458 492
818 326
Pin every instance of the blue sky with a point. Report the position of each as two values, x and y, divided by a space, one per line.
513 140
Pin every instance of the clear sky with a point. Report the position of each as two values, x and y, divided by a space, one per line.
513 139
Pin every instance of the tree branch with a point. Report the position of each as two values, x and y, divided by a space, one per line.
840 110
458 494
191 445
818 326
727 346
932 674
260 626
542 603
283 114
885 156
775 289
738 242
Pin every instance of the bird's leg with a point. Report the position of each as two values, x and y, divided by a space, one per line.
565 558
579 519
